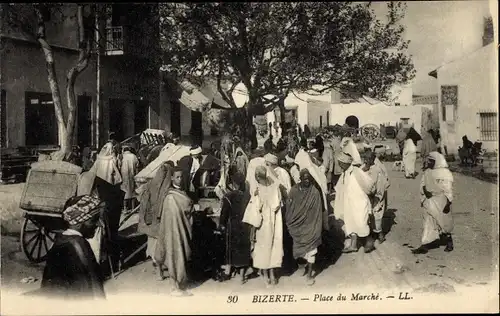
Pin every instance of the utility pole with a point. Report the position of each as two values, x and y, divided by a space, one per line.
99 41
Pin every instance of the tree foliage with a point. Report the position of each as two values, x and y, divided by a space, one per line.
274 48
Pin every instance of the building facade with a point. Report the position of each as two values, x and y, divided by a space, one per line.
129 82
468 99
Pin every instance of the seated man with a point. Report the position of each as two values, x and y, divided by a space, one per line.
72 271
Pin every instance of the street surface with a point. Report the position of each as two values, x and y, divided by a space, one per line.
390 269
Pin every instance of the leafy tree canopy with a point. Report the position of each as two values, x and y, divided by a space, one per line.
274 49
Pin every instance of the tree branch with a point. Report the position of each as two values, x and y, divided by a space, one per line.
229 100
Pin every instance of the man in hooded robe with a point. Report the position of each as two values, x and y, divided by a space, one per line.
240 160
173 248
436 196
409 158
71 271
304 220
285 184
105 178
352 204
129 168
264 209
151 208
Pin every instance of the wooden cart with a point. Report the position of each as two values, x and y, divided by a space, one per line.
48 186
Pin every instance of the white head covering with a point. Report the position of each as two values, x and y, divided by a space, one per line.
271 158
440 160
105 166
195 150
344 157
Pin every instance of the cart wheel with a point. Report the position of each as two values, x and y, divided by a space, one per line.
36 240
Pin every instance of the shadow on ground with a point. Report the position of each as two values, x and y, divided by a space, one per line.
389 220
475 172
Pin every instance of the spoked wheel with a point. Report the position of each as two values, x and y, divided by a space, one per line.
36 240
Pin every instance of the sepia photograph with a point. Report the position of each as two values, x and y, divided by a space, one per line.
249 158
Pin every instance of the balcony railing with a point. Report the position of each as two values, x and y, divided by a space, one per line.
114 40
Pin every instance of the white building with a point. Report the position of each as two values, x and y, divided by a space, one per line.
468 99
321 113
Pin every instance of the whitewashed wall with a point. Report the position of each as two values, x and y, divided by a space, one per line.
378 114
475 77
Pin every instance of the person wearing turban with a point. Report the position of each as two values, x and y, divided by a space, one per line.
190 165
264 214
72 271
352 204
280 173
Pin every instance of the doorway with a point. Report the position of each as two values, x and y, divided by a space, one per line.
196 128
40 120
84 123
141 116
116 115
175 118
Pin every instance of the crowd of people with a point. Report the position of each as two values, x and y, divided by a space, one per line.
277 204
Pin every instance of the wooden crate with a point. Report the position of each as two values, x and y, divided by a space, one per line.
49 185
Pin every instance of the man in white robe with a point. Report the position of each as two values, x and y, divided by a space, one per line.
352 204
409 158
264 214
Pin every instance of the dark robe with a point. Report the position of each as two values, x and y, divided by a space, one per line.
173 249
71 271
281 145
207 249
268 145
113 196
304 218
152 201
319 145
414 135
237 234
253 139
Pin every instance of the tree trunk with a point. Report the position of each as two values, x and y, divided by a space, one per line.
53 83
66 128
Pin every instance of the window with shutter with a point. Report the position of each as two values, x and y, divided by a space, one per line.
488 126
